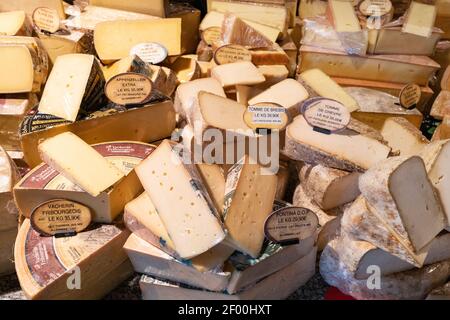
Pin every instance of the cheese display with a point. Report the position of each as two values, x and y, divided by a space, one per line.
403 136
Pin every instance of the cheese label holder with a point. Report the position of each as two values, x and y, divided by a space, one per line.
150 52
46 19
266 116
325 115
212 35
231 53
290 225
410 96
60 217
129 89
375 8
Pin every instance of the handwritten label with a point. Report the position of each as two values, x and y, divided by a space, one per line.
326 114
410 96
129 88
290 225
46 19
60 216
212 35
266 115
150 52
232 53
375 8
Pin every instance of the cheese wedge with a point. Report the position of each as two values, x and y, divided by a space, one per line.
30 5
214 179
326 87
343 16
75 83
403 136
273 73
186 68
249 196
288 93
113 40
92 172
186 209
420 19
346 150
237 73
130 64
16 63
388 187
154 7
441 105
14 23
436 157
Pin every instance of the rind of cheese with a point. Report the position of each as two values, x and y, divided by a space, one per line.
182 201
186 68
14 23
113 40
129 64
214 179
441 105
237 73
8 178
288 93
388 186
344 150
92 172
326 87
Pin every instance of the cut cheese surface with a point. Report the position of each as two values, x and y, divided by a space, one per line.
344 16
237 73
153 7
57 45
79 163
214 179
14 23
30 5
420 19
288 93
66 86
182 202
16 67
186 69
326 87
113 40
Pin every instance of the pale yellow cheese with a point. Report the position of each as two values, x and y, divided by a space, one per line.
30 5
14 23
344 16
151 7
16 65
420 19
237 73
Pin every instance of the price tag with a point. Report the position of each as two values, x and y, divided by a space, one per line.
129 88
212 35
410 96
231 53
46 19
375 8
150 52
325 115
290 225
266 115
60 217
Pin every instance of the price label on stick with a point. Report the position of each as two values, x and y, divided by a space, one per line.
325 115
232 53
266 115
46 19
129 88
410 96
212 35
150 52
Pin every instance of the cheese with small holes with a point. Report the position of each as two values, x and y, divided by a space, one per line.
154 7
236 31
15 23
215 19
388 186
113 40
288 93
53 275
9 175
403 136
420 19
186 210
249 196
390 68
214 178
237 73
353 149
92 172
30 5
74 83
330 188
326 87
342 15
436 157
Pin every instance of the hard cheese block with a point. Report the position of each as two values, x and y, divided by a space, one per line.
8 177
420 19
44 183
93 173
324 86
128 64
30 5
288 93
154 7
237 73
74 84
214 178
330 188
182 202
389 68
343 16
249 196
403 136
344 150
441 106
14 23
388 187
113 40
52 275
151 261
